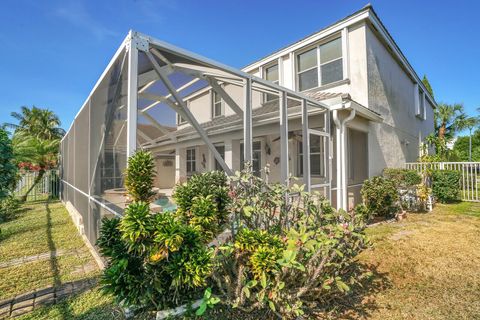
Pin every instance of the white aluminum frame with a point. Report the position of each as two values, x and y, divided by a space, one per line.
215 74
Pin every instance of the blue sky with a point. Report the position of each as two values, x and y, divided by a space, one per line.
54 51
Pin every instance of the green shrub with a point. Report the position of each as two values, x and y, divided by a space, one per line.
139 176
446 185
154 261
8 169
196 189
204 214
9 206
288 253
380 196
403 177
210 183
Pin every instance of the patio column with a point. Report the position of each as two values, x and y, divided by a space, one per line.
132 94
179 164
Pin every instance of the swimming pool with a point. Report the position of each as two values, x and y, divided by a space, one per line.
166 204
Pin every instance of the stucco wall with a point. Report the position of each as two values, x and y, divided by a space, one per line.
391 93
165 168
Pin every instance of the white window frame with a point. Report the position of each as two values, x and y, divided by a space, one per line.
420 101
264 76
262 156
322 155
191 161
222 109
319 63
180 119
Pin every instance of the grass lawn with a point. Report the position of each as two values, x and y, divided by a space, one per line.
42 227
90 305
425 267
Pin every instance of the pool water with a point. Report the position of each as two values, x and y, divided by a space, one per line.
166 204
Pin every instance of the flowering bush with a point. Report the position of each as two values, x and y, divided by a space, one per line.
286 250
289 250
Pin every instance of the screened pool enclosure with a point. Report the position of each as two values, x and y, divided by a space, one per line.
194 115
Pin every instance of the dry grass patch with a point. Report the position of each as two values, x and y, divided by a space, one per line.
432 263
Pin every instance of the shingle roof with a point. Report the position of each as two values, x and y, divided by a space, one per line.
266 108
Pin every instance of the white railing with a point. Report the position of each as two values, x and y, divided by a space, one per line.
47 187
469 180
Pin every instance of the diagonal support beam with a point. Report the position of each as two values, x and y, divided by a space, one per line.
188 114
158 126
225 96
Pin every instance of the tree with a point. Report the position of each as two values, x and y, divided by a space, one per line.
462 147
37 122
448 119
40 152
8 169
469 123
36 139
427 85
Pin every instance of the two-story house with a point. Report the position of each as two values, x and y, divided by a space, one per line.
379 112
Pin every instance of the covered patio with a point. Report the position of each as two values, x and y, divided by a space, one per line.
143 100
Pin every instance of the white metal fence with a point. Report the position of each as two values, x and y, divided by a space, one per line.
469 180
47 187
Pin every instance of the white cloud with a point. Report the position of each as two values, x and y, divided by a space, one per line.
75 13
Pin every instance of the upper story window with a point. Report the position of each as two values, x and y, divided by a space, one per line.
217 107
320 66
180 119
271 73
421 104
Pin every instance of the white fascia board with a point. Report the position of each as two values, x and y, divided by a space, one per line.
399 55
307 41
102 76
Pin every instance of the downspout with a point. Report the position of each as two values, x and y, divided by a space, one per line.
341 157
338 125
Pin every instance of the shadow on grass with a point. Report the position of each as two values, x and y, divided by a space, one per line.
64 308
360 302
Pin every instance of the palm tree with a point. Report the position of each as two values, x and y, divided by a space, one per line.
40 152
36 139
37 122
448 118
469 123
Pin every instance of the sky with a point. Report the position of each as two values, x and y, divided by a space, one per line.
53 51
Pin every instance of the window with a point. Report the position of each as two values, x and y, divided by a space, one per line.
180 119
217 108
256 157
307 70
421 104
317 156
271 74
221 150
191 162
311 72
